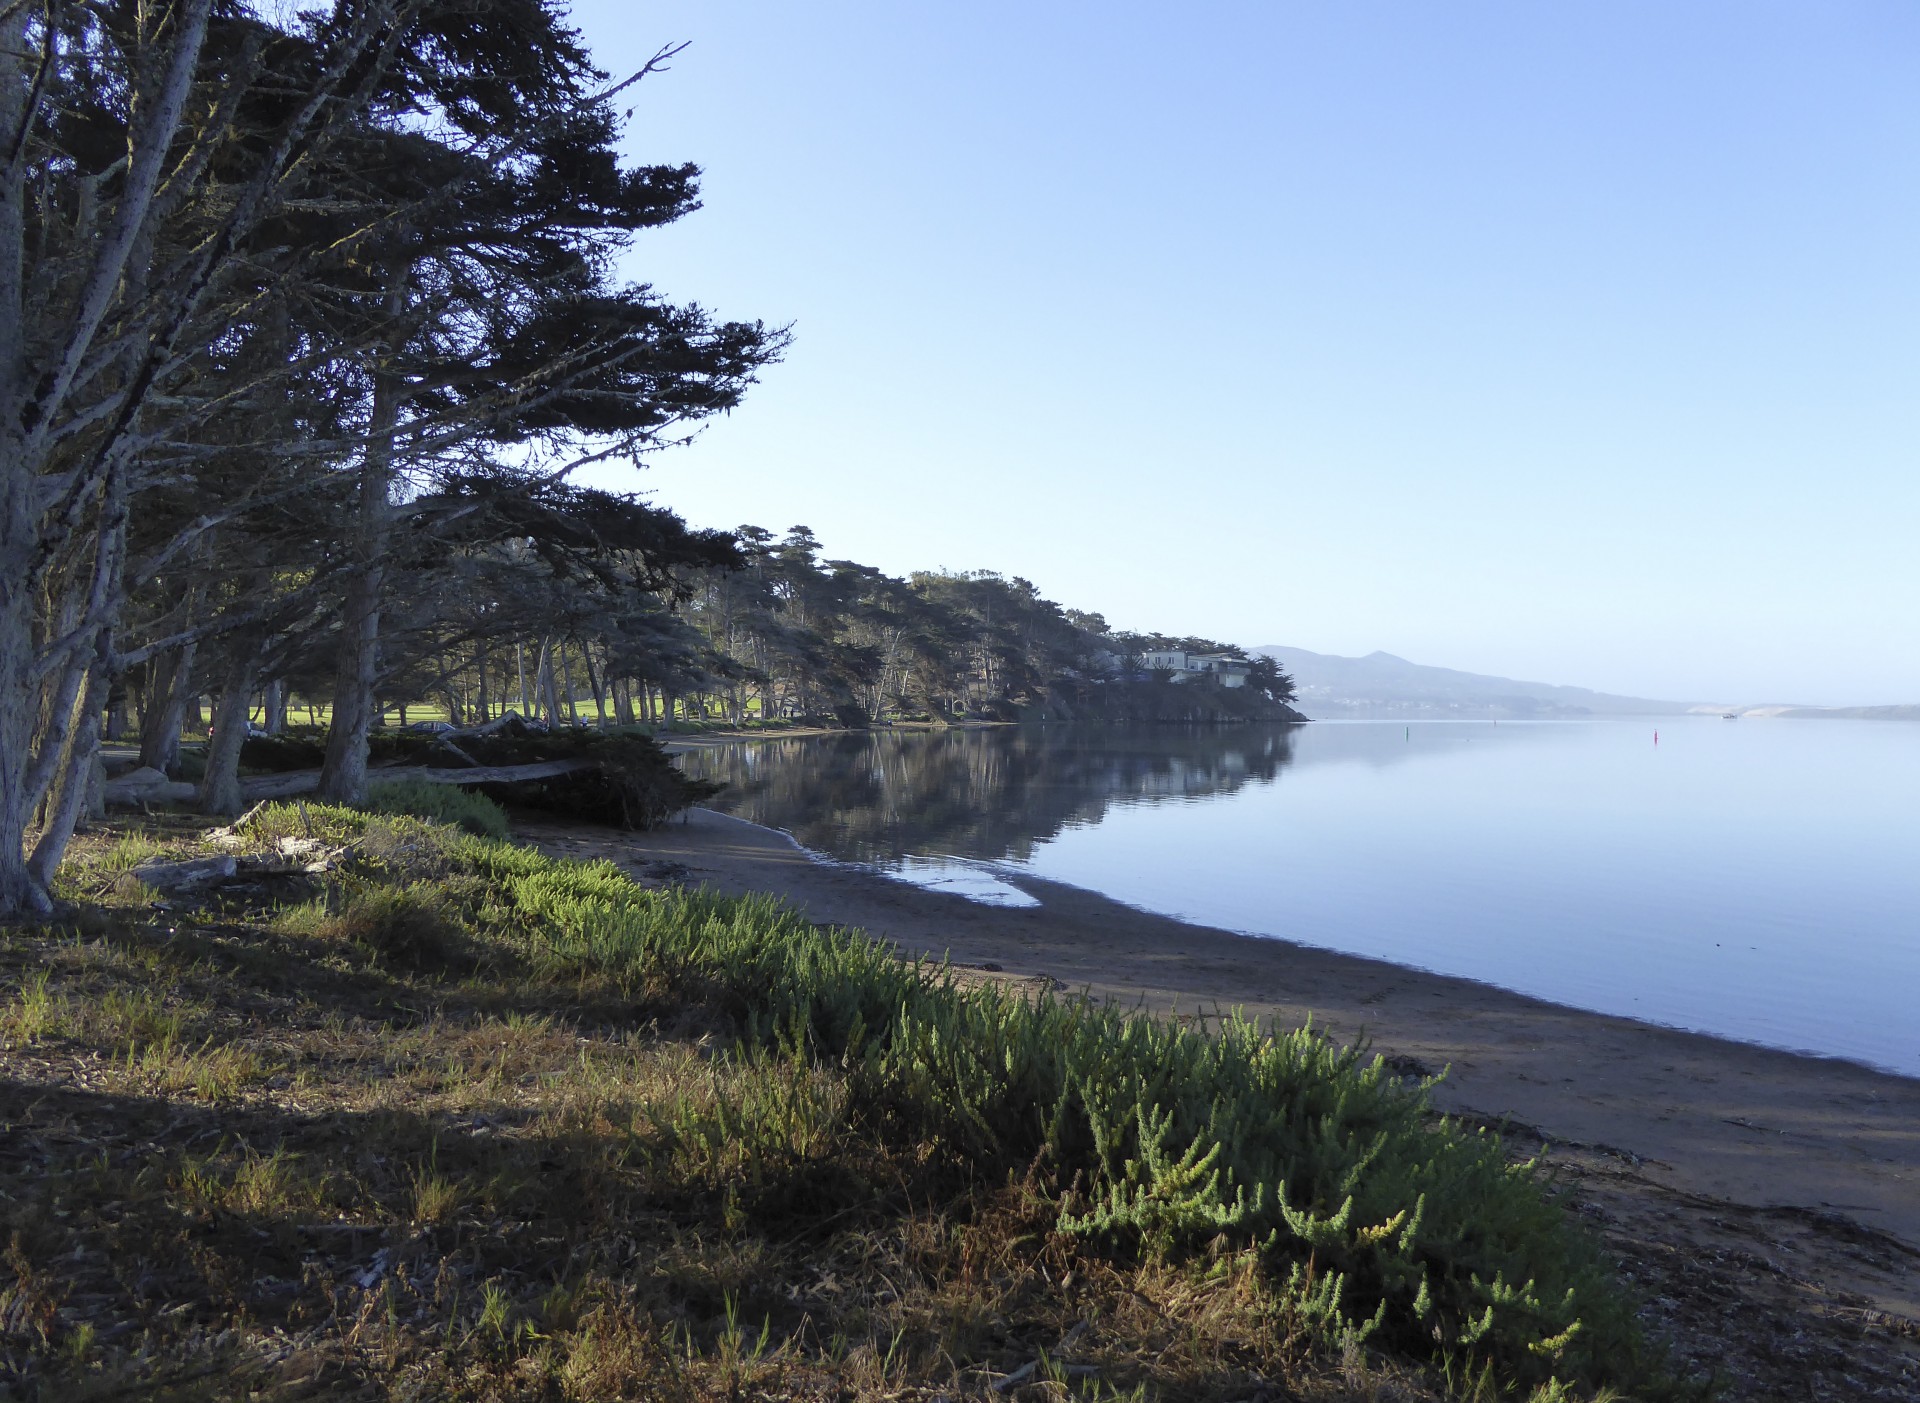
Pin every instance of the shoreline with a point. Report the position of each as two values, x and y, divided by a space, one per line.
1817 1156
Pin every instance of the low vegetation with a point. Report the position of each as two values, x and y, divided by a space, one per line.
446 803
454 1119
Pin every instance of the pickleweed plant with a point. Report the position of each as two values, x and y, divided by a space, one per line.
1367 1217
443 803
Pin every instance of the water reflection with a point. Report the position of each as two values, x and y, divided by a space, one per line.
1755 881
987 794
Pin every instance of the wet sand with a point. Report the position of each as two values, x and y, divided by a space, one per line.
1680 1136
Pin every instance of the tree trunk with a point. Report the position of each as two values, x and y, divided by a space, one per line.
343 775
95 807
82 750
68 800
343 778
119 716
566 670
220 788
593 686
35 392
275 720
19 504
59 710
549 696
19 698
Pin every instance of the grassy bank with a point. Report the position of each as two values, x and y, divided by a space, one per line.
453 1119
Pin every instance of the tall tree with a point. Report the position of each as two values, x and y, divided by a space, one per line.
126 198
415 200
507 329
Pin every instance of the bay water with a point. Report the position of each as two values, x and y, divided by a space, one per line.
1752 879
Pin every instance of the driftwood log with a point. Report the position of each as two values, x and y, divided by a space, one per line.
146 786
150 786
169 877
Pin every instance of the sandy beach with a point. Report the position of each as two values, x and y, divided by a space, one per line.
1765 1179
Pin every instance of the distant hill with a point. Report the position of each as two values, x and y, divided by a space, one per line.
1382 685
1842 713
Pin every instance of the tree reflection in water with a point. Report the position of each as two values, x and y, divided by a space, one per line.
989 794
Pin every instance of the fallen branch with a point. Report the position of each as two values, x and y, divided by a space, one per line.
306 781
446 744
169 877
488 728
150 786
1009 1382
146 786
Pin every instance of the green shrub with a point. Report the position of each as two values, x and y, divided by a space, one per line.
1372 1218
406 927
1368 1217
628 780
443 803
279 754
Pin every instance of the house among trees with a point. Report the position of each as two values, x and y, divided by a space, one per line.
1223 668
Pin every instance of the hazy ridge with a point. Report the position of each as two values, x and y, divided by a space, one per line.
1841 713
1383 685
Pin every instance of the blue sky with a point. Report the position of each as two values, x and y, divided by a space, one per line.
1573 342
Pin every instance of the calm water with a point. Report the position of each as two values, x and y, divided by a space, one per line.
1753 879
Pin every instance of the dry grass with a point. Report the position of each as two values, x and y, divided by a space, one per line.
342 1151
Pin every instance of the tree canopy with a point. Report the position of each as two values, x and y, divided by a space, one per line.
308 322
294 305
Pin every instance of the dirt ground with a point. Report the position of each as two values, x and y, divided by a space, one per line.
1767 1204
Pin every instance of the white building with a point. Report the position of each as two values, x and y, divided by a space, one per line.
1190 667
